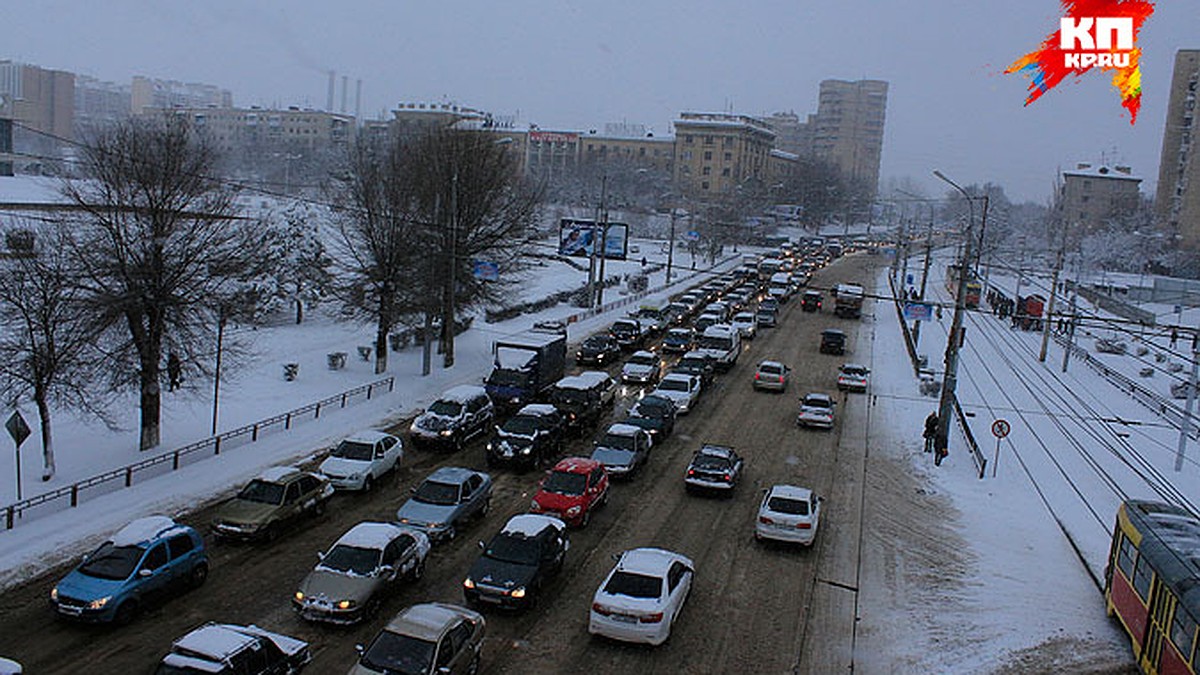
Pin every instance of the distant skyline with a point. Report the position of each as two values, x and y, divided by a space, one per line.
575 65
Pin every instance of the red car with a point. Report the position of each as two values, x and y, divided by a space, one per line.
572 490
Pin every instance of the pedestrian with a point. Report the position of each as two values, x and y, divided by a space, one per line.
931 426
939 312
1174 337
643 261
174 371
940 452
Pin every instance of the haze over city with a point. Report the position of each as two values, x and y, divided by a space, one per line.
575 66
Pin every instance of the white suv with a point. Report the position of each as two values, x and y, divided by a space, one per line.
358 462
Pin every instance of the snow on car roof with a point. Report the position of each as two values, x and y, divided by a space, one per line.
276 474
619 429
650 561
538 409
716 450
771 364
141 530
815 397
370 535
215 640
743 316
643 354
425 621
791 492
853 366
585 380
576 465
680 331
529 524
462 393
368 436
678 376
192 663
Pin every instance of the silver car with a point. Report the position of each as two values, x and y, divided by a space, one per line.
349 583
771 376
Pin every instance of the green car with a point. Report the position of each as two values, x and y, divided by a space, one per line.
267 503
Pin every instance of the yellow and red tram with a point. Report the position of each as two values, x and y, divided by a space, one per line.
1152 584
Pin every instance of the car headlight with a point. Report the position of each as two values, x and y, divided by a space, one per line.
54 593
526 450
534 506
446 433
437 525
491 446
299 596
355 476
99 603
469 583
518 592
516 399
404 521
574 511
345 604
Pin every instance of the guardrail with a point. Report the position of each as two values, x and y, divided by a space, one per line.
959 415
69 496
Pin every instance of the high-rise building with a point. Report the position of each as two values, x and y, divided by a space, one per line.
849 128
1177 200
715 152
149 93
1091 195
98 103
791 135
255 129
41 103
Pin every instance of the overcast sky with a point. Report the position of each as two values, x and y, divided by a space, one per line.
575 65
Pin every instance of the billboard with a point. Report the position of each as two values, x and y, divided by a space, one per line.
579 237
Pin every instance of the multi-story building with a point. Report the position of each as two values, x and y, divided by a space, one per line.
792 135
1177 199
638 152
849 128
1090 195
98 103
254 129
151 93
715 152
41 103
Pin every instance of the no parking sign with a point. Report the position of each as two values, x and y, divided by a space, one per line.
1000 429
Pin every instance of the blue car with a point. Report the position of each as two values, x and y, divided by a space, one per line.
447 498
147 559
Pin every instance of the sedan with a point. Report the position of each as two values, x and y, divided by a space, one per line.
265 506
853 377
816 410
622 449
680 388
643 367
714 467
598 350
642 596
357 572
358 462
789 514
772 376
517 562
426 639
746 325
765 318
445 500
679 340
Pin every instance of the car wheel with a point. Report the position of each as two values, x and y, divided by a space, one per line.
319 509
272 532
473 668
487 506
368 483
198 575
418 570
585 518
126 613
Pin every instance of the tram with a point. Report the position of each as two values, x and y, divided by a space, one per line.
974 288
1152 584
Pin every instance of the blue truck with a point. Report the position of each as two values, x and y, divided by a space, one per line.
526 365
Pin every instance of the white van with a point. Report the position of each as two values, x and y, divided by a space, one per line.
780 286
723 343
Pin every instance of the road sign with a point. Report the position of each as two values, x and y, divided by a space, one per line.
17 428
692 235
1000 428
918 311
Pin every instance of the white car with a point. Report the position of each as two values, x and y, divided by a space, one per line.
642 596
746 324
358 462
680 388
853 377
642 368
790 514
816 410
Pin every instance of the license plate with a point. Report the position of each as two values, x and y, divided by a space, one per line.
489 598
71 611
624 618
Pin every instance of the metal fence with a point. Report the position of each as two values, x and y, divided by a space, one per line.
115 479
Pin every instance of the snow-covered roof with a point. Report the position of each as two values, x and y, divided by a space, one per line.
585 380
369 436
141 530
791 492
186 663
853 366
514 358
678 377
1102 171
462 393
538 409
425 621
623 430
276 474
783 154
451 474
370 535
215 640
651 561
529 524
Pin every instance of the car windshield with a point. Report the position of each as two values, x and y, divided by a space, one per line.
515 550
352 560
507 378
813 402
570 396
112 562
652 406
647 423
691 364
679 336
433 492
633 585
613 456
446 408
792 507
855 372
596 342
674 385
399 654
262 492
354 450
711 462
616 441
521 425
643 360
624 328
565 483
770 369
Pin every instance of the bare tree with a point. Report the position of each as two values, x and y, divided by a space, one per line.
46 348
159 236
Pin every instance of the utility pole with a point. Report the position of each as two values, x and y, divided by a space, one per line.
448 319
1070 327
924 275
1186 427
603 255
671 247
591 286
222 316
950 380
987 272
1058 262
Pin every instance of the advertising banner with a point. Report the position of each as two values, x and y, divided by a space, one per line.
579 237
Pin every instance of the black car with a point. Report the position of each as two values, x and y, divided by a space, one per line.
598 350
656 414
811 301
582 399
833 341
226 649
697 363
532 437
714 468
517 562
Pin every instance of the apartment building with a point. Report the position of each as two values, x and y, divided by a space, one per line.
1091 195
849 127
41 103
294 129
715 152
1177 199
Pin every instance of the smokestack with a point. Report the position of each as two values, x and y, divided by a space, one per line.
358 100
329 94
345 84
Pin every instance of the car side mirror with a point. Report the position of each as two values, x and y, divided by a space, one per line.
444 670
320 555
482 546
360 648
616 556
143 573
412 490
386 570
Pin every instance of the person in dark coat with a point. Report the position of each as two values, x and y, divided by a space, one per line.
174 371
931 425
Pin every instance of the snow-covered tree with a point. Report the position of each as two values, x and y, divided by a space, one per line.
300 274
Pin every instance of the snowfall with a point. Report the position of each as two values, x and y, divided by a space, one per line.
1037 525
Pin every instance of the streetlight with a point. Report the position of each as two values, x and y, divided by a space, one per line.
950 380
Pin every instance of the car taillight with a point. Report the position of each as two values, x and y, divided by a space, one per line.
780 378
765 520
756 376
657 617
601 609
803 526
691 472
728 477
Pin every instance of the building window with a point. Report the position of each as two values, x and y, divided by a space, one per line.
725 171
728 156
707 171
707 155
687 154
708 140
729 142
704 185
687 138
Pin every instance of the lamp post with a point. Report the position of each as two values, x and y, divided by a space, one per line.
950 380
